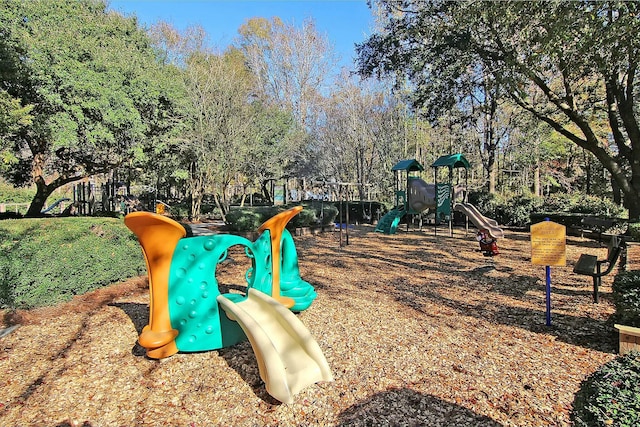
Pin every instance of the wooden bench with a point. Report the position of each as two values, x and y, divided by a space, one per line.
590 265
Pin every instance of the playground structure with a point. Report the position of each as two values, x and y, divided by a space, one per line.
58 203
413 196
185 308
490 226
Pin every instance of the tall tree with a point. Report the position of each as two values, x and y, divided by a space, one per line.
362 134
291 64
220 120
269 146
91 77
560 54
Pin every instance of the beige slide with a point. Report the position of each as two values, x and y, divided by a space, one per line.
479 220
289 358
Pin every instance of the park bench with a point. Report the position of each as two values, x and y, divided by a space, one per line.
590 265
596 225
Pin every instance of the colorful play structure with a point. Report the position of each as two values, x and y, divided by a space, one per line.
188 313
413 196
488 229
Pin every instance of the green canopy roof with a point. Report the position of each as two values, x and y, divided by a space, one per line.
410 165
452 161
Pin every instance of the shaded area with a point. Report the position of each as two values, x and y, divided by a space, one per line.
239 357
139 315
411 408
242 359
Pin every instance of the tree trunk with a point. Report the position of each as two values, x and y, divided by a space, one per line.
492 177
39 199
223 211
196 189
265 191
631 194
587 168
617 195
196 203
42 189
537 189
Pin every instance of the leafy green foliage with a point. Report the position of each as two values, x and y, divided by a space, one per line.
47 261
305 218
513 211
10 194
93 81
518 210
13 118
250 219
626 298
245 219
611 395
633 230
359 212
559 61
328 215
582 203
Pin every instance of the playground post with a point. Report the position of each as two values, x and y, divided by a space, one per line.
548 247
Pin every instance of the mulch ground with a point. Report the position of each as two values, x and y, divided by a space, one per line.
418 330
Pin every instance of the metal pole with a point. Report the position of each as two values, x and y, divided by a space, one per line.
548 274
347 215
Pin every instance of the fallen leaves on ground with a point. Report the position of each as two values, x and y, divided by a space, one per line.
418 329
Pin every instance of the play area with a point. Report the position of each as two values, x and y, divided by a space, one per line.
412 328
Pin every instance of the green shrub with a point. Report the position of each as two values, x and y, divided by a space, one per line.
626 298
582 204
325 212
359 212
49 260
513 210
11 194
518 210
211 211
249 219
244 219
329 214
633 230
306 218
611 395
180 211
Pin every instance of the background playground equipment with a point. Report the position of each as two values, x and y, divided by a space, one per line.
488 244
413 195
488 229
185 309
490 226
59 202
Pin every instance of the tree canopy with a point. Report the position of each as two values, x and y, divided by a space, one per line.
90 78
572 65
539 89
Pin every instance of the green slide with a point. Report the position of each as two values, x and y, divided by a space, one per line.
388 224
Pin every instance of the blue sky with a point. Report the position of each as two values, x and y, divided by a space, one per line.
343 22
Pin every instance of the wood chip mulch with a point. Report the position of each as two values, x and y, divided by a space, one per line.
418 330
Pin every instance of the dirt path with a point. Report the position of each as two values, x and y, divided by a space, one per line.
417 331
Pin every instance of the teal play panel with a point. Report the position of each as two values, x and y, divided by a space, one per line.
193 287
